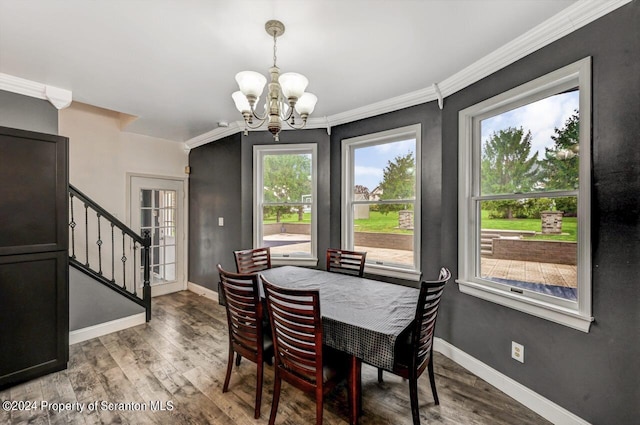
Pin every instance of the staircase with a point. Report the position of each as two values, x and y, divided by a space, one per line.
486 243
108 251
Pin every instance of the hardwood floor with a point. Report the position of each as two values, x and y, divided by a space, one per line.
177 362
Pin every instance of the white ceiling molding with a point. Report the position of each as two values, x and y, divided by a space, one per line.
215 134
60 98
570 19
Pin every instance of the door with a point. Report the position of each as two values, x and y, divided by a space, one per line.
34 235
157 206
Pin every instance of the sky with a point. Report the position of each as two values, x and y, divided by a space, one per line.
371 161
541 117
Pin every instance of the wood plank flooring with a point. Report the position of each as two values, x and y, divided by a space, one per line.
177 362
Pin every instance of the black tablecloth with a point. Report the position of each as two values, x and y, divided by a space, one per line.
362 317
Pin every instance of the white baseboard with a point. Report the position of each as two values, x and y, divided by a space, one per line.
166 288
106 328
201 290
534 401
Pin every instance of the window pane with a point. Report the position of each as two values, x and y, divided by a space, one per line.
385 232
532 148
531 244
287 229
287 178
385 171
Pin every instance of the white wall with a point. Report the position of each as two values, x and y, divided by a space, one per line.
101 155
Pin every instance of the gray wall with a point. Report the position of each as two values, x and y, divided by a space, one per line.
92 303
214 191
594 375
27 113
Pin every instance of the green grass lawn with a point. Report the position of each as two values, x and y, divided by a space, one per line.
569 226
377 222
381 223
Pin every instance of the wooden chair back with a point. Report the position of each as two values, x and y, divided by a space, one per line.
425 320
346 262
297 334
244 312
253 260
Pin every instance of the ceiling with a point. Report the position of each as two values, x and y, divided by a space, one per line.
172 63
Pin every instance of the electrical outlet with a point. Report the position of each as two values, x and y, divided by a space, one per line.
517 351
220 221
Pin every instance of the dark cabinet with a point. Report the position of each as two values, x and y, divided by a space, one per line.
34 299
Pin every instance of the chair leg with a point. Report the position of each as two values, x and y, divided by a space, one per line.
432 380
225 387
379 375
276 398
319 406
238 360
259 374
413 395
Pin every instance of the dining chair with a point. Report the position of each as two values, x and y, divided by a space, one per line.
346 262
300 358
415 353
253 260
247 336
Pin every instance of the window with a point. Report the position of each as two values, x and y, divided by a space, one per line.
524 197
285 202
381 200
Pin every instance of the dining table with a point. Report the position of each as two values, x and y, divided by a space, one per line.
361 317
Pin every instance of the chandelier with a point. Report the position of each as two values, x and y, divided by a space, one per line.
286 94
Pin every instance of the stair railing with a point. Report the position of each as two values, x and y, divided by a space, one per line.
111 260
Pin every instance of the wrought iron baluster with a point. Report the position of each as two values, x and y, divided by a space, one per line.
113 255
135 268
146 289
124 262
86 234
72 224
99 243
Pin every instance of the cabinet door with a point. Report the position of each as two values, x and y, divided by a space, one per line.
34 317
33 193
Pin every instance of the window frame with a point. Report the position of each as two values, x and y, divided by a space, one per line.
348 181
578 314
259 152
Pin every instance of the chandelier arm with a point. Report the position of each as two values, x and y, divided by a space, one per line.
258 117
289 114
254 127
304 123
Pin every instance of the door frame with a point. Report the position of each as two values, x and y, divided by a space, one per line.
182 222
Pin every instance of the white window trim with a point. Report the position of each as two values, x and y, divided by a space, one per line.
259 152
348 146
576 315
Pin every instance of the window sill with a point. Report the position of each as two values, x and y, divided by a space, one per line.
292 261
396 272
563 316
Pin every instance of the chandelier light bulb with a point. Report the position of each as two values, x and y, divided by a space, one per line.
251 83
242 104
306 104
293 84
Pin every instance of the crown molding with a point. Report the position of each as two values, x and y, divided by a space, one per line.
215 134
565 22
60 98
